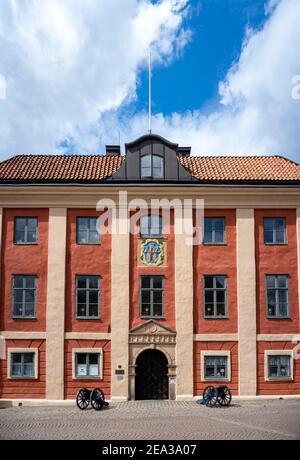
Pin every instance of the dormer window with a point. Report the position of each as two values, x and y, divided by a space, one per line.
152 167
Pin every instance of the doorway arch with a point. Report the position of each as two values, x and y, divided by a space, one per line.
151 380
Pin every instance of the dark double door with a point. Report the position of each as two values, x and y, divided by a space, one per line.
151 381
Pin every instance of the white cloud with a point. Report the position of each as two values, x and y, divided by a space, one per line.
67 62
257 113
74 81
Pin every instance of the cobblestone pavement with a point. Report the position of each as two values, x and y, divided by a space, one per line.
170 420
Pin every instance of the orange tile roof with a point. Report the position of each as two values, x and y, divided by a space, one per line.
39 168
95 168
242 168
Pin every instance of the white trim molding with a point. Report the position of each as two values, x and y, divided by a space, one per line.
278 337
205 353
87 336
278 353
216 337
23 350
20 335
87 350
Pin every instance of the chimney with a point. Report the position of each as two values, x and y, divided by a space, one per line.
113 150
184 151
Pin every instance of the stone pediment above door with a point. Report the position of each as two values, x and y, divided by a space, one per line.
152 332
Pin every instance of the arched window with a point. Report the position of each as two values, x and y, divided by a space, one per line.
152 166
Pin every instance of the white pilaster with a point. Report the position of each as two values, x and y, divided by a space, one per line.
119 307
246 279
55 317
184 308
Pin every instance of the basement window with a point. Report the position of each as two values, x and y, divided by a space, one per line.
87 365
22 365
215 367
279 367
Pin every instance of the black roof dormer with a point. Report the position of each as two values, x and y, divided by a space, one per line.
152 145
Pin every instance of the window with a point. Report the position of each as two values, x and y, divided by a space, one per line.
87 365
215 296
214 230
88 296
275 230
215 367
22 365
151 226
152 296
152 166
277 296
279 367
24 296
87 230
26 230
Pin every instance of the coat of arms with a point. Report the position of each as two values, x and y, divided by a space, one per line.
152 253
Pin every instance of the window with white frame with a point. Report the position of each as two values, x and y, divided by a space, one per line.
275 230
214 230
87 230
87 365
215 296
279 367
22 365
24 296
277 296
215 367
152 296
151 226
88 296
26 230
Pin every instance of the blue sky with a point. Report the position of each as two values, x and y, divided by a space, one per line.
226 75
191 81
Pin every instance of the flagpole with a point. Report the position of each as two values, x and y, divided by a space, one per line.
150 90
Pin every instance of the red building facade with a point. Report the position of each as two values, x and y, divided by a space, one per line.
83 305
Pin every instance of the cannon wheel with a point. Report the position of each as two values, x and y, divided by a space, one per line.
210 396
83 399
97 399
224 395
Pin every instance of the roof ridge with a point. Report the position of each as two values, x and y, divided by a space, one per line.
240 156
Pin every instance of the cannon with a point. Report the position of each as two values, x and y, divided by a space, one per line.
95 397
213 395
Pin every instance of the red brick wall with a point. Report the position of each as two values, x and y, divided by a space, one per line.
24 388
217 260
24 260
87 260
273 387
233 384
168 272
73 385
272 260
